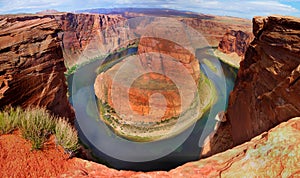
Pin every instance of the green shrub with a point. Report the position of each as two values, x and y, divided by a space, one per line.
66 135
36 126
9 120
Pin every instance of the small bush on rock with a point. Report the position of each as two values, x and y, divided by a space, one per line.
9 119
66 135
36 125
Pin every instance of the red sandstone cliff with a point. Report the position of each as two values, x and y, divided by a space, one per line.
85 34
33 52
32 65
235 42
267 88
213 28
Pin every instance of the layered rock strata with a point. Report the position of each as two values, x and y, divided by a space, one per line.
34 51
235 42
267 87
32 65
146 90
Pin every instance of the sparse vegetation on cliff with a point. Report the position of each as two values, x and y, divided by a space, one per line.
66 135
36 125
9 120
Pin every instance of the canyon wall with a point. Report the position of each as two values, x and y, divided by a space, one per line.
85 35
267 87
34 50
213 28
32 65
266 94
235 42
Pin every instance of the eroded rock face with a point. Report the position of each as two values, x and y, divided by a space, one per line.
34 50
84 34
235 42
267 93
32 65
214 28
275 153
267 88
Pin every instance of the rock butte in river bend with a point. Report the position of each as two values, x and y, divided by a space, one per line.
160 61
139 96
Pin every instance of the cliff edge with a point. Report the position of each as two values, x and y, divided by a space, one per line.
267 87
32 64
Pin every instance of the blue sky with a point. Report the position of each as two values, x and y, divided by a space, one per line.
239 8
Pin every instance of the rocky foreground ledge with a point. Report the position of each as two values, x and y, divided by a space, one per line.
275 153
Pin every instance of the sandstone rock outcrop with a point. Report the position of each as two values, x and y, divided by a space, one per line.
146 90
34 51
84 34
267 88
235 42
267 93
151 83
275 153
213 28
32 65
